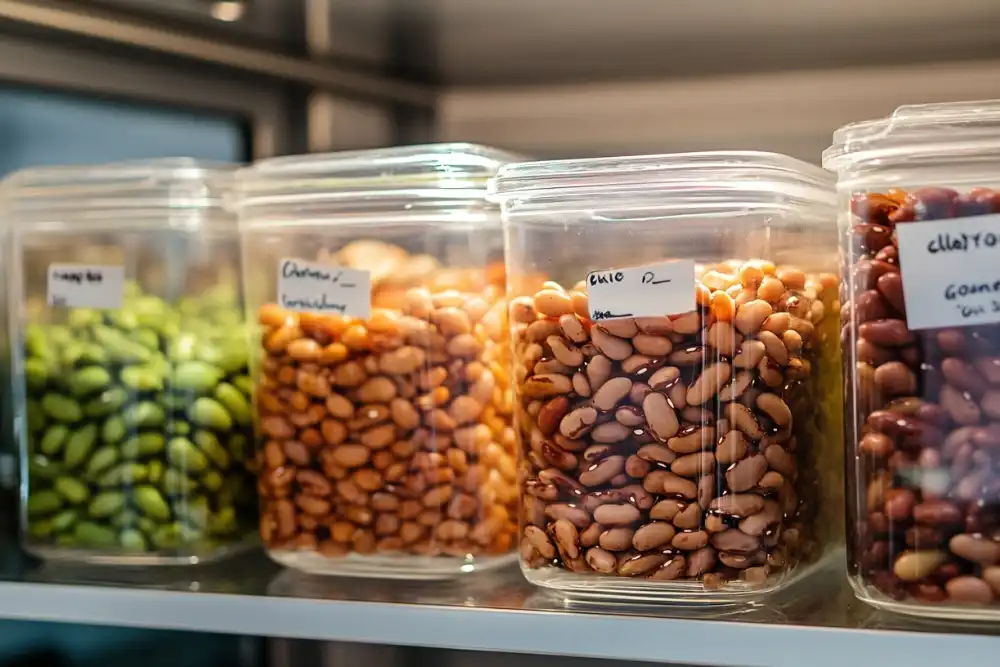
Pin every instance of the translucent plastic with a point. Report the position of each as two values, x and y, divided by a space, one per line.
132 415
387 445
923 417
678 456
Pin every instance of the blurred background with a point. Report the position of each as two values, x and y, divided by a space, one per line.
98 80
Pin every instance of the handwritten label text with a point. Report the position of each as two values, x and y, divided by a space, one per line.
666 288
86 286
321 288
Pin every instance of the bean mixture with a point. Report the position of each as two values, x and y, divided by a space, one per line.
927 403
140 427
391 435
678 448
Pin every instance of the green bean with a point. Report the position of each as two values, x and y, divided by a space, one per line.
235 402
151 503
54 439
88 380
196 376
62 408
79 445
210 414
106 504
73 490
142 445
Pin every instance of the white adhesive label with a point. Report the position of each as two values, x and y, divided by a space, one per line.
950 271
666 288
309 287
86 286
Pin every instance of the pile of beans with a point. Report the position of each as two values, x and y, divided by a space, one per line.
391 435
927 420
139 427
673 448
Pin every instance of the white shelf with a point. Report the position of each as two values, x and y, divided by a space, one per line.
495 613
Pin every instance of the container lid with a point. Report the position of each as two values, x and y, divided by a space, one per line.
401 176
918 130
681 179
117 188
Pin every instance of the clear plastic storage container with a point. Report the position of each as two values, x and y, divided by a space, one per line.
920 236
382 378
674 323
131 386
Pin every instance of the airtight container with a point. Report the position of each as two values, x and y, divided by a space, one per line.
131 386
382 374
919 198
676 373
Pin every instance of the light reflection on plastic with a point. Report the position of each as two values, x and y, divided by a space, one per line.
228 10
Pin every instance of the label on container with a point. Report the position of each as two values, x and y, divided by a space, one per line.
86 286
950 271
309 287
665 288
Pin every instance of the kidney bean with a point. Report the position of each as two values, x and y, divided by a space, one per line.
928 457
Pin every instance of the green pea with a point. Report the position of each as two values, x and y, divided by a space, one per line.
155 470
64 520
40 528
176 483
181 348
79 445
125 519
124 319
223 522
62 408
123 474
167 537
141 378
132 540
195 511
73 490
101 460
147 525
113 429
184 455
105 504
35 416
235 402
72 353
244 384
36 373
43 468
144 415
44 502
88 380
146 337
212 480
144 444
230 358
196 376
92 534
208 443
151 503
210 414
94 355
81 318
37 344
178 427
108 402
54 439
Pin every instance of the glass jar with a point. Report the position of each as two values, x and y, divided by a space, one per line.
919 196
131 387
382 372
674 324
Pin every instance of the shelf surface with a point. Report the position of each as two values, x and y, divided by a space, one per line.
818 621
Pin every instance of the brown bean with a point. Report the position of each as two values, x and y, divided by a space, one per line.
692 465
598 371
653 535
602 472
666 510
610 432
675 485
610 346
601 560
616 514
708 383
738 504
969 589
732 448
691 540
660 416
656 454
735 540
611 393
887 332
652 345
618 538
746 473
537 538
750 354
542 386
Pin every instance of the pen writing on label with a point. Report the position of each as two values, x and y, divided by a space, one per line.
290 269
649 278
320 304
78 277
607 315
